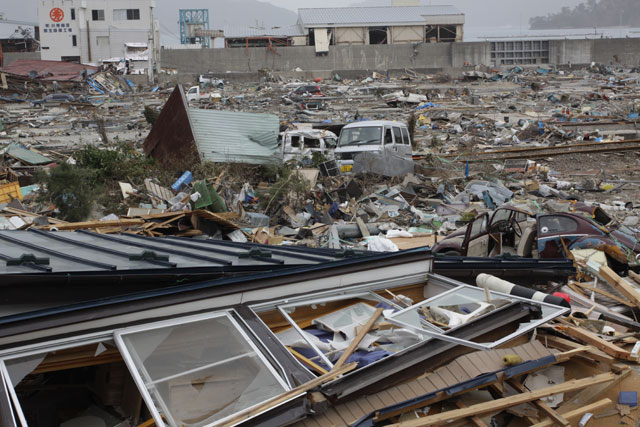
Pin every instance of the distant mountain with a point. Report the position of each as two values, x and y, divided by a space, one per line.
592 13
236 13
494 13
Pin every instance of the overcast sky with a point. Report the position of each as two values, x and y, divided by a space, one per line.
479 13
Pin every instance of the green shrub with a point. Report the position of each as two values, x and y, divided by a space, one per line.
71 189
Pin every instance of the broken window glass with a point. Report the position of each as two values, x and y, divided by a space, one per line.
75 380
462 305
198 372
557 224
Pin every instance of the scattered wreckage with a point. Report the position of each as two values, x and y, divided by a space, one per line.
319 328
512 230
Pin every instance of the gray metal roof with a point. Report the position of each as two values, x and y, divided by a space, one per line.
226 136
242 32
35 251
345 16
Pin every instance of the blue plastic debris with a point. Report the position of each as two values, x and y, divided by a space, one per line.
155 89
628 398
185 179
427 105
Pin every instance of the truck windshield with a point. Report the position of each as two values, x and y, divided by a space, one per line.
360 136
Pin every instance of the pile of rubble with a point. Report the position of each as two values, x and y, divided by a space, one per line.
508 167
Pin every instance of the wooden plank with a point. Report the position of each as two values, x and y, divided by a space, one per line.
307 362
601 292
277 400
94 224
506 402
564 344
473 420
363 227
594 340
577 413
358 339
620 284
592 393
635 276
543 406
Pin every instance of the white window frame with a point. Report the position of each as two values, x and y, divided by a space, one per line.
487 346
142 386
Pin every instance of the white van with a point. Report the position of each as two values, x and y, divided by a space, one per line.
389 139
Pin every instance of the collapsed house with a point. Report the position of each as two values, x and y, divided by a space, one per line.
245 349
193 135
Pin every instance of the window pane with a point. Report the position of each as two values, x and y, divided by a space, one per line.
405 136
119 14
557 224
200 371
397 135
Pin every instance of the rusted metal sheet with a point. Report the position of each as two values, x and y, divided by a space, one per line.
171 140
49 70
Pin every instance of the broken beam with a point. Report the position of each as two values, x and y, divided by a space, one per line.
500 404
275 401
578 412
543 406
358 339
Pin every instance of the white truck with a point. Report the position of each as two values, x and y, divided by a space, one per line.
297 144
195 93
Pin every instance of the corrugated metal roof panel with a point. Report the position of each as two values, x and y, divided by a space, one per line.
240 32
225 136
48 70
25 155
373 15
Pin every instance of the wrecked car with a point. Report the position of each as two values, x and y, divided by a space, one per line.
299 144
514 231
384 138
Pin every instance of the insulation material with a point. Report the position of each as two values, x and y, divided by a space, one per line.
322 40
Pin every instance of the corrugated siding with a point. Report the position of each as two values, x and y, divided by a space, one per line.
239 32
372 15
223 136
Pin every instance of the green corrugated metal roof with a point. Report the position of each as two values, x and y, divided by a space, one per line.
225 136
25 155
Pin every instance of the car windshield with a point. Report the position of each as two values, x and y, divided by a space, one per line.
360 136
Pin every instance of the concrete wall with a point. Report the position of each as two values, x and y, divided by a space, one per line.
9 57
382 58
340 58
620 51
571 51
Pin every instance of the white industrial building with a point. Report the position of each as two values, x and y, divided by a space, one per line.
381 25
93 31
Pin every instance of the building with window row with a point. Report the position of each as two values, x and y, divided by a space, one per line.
93 31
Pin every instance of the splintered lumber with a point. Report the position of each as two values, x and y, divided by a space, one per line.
594 340
506 402
275 401
363 228
358 339
591 393
307 362
577 413
473 420
564 344
541 405
601 292
620 284
94 224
